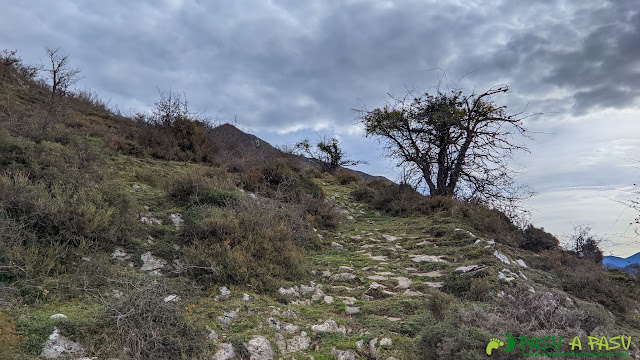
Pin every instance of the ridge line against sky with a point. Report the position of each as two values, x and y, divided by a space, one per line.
289 69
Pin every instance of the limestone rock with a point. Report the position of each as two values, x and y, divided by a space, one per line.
120 254
58 316
346 354
292 291
336 245
227 317
225 352
329 326
225 293
342 276
304 289
426 258
352 310
317 295
171 298
522 263
58 345
470 269
260 348
403 282
295 344
150 262
177 220
282 326
502 257
385 342
409 292
505 278
377 277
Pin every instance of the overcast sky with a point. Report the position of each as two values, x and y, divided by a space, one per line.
289 69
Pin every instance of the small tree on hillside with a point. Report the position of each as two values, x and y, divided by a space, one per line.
8 59
459 144
585 245
327 153
61 74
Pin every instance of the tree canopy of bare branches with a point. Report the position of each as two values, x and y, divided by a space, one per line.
327 153
61 74
458 144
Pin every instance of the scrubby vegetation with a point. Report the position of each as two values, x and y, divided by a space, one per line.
130 227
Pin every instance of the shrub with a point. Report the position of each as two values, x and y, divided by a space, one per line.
278 180
60 214
201 186
400 200
537 240
321 213
150 327
8 337
469 287
247 242
449 339
587 280
489 221
346 177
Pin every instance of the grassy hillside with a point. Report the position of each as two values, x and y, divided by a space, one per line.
155 243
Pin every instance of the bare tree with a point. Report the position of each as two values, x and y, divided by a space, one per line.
327 153
458 144
61 74
8 59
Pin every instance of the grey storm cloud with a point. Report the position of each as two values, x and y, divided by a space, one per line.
283 63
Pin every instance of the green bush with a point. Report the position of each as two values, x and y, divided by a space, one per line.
60 214
476 287
278 180
321 213
588 280
537 240
400 200
347 177
201 186
489 221
248 242
449 340
149 327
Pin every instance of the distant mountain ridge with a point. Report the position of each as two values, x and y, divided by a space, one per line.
629 264
236 145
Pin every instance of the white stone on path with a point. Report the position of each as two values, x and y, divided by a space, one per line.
259 348
426 258
502 257
171 298
403 282
329 326
150 262
377 277
225 352
391 238
521 263
58 345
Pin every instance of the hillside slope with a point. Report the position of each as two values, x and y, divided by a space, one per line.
126 239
